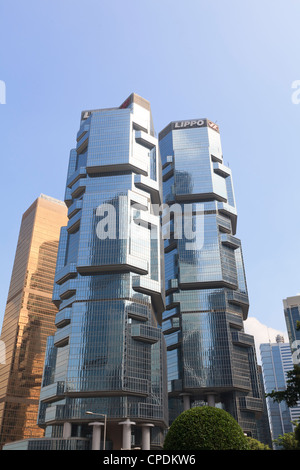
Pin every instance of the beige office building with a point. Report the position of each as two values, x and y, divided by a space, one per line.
29 319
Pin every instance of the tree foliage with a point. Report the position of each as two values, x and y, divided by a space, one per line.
288 441
254 444
205 428
297 433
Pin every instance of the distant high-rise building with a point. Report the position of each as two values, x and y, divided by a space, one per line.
292 319
210 358
29 318
276 362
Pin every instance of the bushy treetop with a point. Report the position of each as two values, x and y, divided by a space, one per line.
205 428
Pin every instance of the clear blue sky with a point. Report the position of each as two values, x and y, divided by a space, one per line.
231 61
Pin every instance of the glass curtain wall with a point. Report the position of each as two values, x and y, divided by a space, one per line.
107 356
211 361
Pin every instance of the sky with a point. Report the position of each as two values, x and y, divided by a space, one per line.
233 62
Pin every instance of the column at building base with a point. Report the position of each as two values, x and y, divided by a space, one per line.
67 430
146 435
186 397
126 440
211 399
96 439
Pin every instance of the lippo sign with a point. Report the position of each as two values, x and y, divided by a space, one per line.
195 123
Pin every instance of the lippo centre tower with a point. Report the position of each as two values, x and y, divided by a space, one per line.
105 369
210 358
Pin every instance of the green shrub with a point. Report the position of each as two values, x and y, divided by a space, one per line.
205 428
287 441
297 434
254 444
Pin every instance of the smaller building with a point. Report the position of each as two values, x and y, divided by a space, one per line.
29 319
276 362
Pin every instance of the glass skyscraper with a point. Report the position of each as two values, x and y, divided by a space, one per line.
106 364
291 307
210 358
150 287
276 362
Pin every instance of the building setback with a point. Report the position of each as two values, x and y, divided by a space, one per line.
210 358
29 319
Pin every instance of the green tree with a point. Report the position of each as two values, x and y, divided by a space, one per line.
292 393
205 428
254 444
297 433
288 441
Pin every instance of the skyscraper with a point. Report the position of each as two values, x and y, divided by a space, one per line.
29 318
210 358
291 307
105 364
121 344
276 362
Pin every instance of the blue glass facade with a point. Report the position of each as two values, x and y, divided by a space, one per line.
210 358
150 286
108 354
276 362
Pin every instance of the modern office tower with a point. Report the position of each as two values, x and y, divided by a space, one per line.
276 362
29 318
292 319
210 358
105 365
